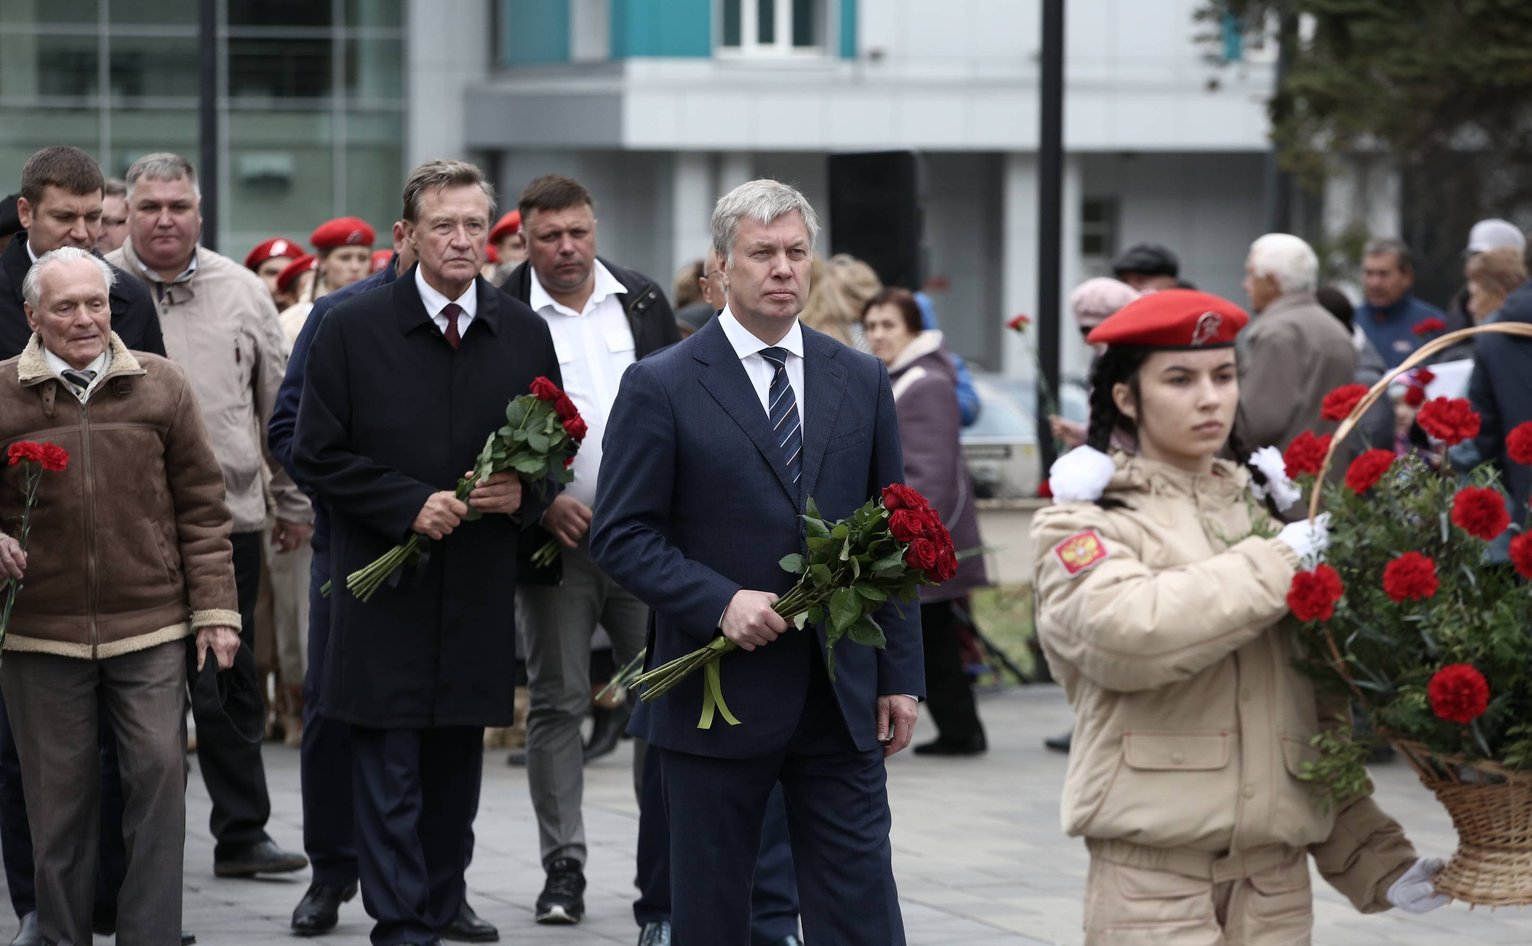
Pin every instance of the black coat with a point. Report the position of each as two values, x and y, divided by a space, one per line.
1500 389
135 318
653 325
389 415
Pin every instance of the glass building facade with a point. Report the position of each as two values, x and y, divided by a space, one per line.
310 101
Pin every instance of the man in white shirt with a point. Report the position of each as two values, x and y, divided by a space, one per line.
602 318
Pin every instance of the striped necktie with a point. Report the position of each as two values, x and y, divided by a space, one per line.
80 378
782 413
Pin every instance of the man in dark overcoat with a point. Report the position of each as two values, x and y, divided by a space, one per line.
402 386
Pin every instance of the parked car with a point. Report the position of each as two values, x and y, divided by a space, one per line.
1001 446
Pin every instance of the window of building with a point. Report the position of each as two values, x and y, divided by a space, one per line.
1098 229
774 27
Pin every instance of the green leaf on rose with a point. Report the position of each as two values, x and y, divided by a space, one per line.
820 574
871 592
867 633
845 608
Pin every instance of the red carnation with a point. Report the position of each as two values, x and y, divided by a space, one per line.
1429 326
905 525
1312 595
1414 396
1306 453
1423 376
1480 512
564 407
1365 471
1339 403
1458 693
1410 576
29 451
900 496
55 458
1450 419
1044 489
1518 443
575 428
545 390
1521 554
1018 323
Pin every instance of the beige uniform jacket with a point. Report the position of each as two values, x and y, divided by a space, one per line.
1162 619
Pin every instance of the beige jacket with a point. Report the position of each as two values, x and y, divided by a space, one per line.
1292 354
220 326
1162 619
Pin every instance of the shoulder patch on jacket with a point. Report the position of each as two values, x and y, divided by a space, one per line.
1081 551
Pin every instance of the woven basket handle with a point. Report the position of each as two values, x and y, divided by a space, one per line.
1416 357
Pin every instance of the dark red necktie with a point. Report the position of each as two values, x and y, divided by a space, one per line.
450 313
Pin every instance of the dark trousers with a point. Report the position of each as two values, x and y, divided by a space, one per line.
416 791
231 767
16 836
773 898
949 694
324 765
837 817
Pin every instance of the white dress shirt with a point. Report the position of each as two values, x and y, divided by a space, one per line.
435 302
594 346
758 367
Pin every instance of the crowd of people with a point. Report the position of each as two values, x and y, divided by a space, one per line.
242 435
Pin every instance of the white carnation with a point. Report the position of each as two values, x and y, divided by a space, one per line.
1080 475
1283 491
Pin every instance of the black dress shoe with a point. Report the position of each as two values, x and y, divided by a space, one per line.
262 857
1060 743
607 731
28 934
319 910
941 745
188 939
788 941
654 933
103 919
468 928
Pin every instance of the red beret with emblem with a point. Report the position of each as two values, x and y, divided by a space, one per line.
342 231
380 259
274 248
1172 318
508 224
293 270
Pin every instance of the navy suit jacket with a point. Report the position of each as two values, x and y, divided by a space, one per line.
695 503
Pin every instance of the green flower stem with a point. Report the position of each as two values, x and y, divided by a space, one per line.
547 554
13 586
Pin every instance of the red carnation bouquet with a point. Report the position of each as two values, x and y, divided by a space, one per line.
35 459
885 550
538 443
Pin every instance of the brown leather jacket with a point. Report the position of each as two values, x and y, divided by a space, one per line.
129 546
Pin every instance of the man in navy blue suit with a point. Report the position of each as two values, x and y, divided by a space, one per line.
713 448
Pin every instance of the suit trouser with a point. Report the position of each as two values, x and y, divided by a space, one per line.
557 622
231 767
289 573
55 703
774 896
1130 900
837 817
949 695
16 837
417 791
324 762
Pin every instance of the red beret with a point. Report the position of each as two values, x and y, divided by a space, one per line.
491 254
293 270
505 226
1172 318
272 249
342 231
380 259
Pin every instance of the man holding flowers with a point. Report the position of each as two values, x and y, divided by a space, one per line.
714 448
402 386
127 554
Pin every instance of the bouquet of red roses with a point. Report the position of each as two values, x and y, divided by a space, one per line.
538 443
35 459
886 549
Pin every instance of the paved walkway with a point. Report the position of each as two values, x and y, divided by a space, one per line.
977 851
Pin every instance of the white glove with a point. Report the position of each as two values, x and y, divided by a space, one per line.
1415 890
1308 539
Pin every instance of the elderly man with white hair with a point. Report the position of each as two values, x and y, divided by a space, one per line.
1294 352
131 559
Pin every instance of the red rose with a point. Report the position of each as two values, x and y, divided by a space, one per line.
1449 419
1018 323
1429 326
1458 693
569 461
1365 471
1410 576
564 407
946 564
55 458
1414 396
1306 453
900 496
905 525
1339 403
922 554
575 428
1521 554
1312 595
1518 443
1480 512
545 390
29 451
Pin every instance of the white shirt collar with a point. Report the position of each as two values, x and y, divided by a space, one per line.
606 286
30 253
435 302
746 344
99 365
